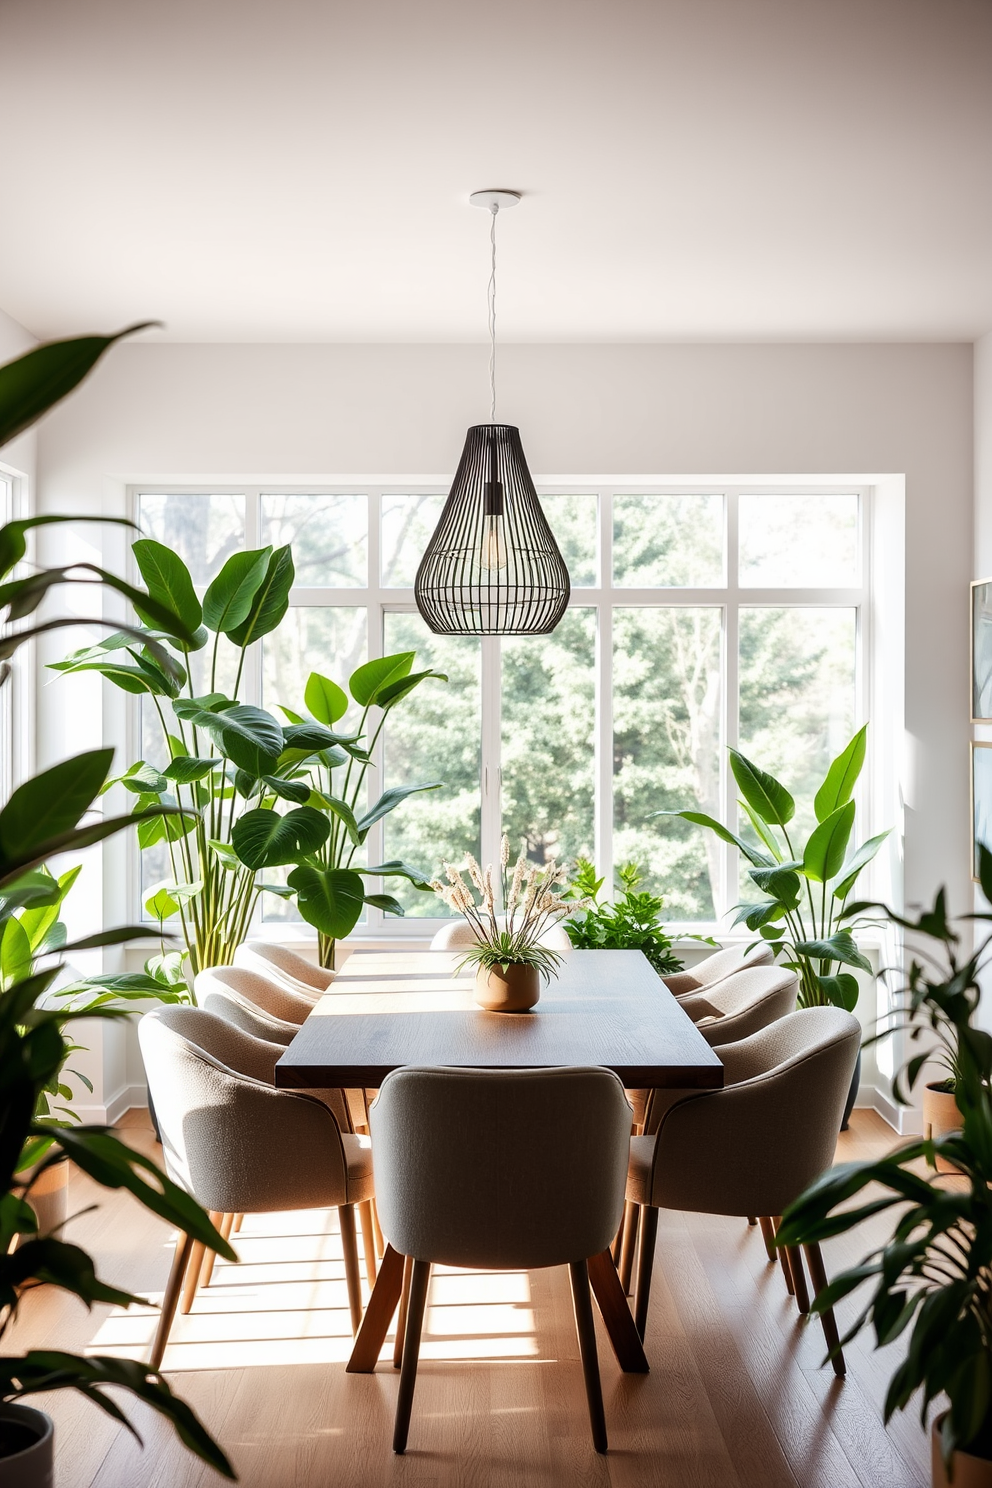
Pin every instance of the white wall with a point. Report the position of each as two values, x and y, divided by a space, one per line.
19 454
304 411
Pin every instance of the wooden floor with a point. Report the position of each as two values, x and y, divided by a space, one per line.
737 1394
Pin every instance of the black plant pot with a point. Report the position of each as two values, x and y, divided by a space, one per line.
852 1094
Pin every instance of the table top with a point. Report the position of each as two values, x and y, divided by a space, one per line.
386 1009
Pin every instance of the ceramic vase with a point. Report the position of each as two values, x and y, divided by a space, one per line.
511 989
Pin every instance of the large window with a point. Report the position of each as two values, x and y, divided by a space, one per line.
699 618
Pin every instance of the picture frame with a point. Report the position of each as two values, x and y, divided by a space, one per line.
981 651
981 800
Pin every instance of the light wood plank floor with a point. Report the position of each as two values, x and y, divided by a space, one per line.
737 1396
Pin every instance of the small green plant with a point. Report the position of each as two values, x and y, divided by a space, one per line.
805 886
631 923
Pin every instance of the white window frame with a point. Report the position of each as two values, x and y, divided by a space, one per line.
604 596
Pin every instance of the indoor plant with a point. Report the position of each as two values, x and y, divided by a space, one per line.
631 922
508 956
935 1271
40 820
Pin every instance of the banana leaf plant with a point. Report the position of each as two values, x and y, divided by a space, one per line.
322 838
221 761
933 1275
805 885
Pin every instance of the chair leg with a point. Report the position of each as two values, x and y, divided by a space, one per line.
818 1276
368 1240
419 1283
585 1328
225 1227
380 1243
795 1256
752 1220
184 1246
768 1235
645 1267
404 1309
238 1222
631 1218
349 1244
783 1258
617 1245
192 1275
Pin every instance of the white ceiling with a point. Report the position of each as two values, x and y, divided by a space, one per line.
298 170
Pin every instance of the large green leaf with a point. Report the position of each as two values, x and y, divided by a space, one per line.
343 812
13 543
186 768
228 599
854 865
841 778
841 990
782 883
51 803
330 899
827 845
388 802
700 819
394 691
396 869
326 700
366 682
270 601
264 839
168 580
838 947
762 791
15 952
73 840
249 737
35 382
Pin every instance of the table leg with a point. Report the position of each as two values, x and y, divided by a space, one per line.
609 1294
378 1314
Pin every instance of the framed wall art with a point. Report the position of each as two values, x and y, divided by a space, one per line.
981 651
981 801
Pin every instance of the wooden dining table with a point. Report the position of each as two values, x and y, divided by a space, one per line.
387 1009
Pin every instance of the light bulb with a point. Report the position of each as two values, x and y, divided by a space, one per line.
493 553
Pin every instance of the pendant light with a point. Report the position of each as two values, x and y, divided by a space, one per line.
492 566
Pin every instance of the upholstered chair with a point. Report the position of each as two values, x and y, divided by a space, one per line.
714 968
752 1147
281 964
272 998
500 1170
225 1003
239 1146
742 1003
458 935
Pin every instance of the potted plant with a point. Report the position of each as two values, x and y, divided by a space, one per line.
632 922
508 955
933 1276
42 818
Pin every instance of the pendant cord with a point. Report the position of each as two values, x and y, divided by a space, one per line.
491 297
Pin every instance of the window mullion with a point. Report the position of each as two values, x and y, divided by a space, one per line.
727 891
603 807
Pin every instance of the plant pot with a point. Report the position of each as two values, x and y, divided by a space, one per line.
26 1447
969 1471
49 1197
852 1094
940 1116
512 989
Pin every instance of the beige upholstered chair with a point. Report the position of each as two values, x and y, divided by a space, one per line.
270 998
458 935
714 968
278 963
742 1003
752 1147
224 1003
501 1170
239 1146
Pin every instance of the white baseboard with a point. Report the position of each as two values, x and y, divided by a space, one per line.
907 1121
96 1115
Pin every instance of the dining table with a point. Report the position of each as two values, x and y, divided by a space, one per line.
387 1009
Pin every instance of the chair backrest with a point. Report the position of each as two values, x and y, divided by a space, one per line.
742 1003
271 997
233 1142
752 1147
224 1003
720 964
458 935
498 1168
268 959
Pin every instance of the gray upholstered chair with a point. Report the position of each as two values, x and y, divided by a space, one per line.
225 1003
500 1170
271 998
241 1147
714 968
742 1003
278 963
752 1147
458 935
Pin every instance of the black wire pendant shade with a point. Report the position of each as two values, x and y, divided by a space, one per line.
492 566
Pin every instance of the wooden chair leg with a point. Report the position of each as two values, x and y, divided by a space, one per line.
783 1258
225 1227
349 1244
419 1283
795 1256
368 1240
238 1222
818 1276
184 1247
617 1245
404 1309
631 1220
768 1235
752 1220
193 1269
645 1268
585 1328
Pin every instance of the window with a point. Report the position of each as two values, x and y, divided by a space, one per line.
700 617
